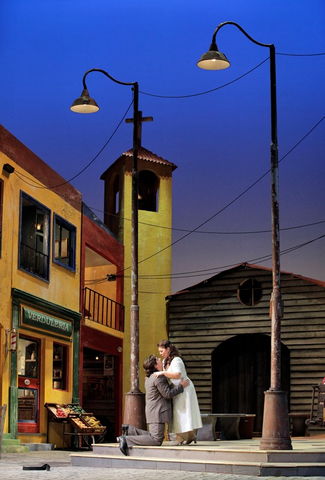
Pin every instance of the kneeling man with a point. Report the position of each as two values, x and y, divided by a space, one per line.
158 408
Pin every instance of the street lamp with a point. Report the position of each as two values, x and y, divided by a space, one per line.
275 434
134 400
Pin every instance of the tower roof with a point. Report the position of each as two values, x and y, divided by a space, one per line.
146 155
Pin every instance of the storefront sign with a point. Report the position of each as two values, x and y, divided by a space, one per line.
45 322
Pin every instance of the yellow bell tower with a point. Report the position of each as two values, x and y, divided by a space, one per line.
154 240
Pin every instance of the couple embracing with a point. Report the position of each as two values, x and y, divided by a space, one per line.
165 381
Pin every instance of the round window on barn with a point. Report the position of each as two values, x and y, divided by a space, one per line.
249 292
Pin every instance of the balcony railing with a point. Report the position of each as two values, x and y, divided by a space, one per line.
103 310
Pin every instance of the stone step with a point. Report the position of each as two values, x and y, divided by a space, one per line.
10 441
204 452
14 449
37 447
242 457
12 445
193 465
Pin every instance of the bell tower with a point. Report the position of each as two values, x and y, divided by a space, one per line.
154 239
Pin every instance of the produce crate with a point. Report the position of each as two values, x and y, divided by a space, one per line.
93 423
76 408
57 412
79 424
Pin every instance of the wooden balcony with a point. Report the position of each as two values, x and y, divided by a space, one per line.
103 310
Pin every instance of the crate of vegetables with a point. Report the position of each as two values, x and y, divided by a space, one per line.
76 408
93 423
78 423
58 412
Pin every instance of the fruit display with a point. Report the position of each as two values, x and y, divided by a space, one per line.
77 417
57 412
79 424
60 413
93 423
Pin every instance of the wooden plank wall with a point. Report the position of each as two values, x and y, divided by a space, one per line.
210 313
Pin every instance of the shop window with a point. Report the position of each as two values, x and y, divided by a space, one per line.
64 243
34 237
249 292
60 370
27 404
28 358
1 197
148 191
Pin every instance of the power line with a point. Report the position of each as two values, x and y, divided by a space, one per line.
301 54
207 91
204 272
302 139
204 232
231 82
195 230
210 271
39 185
229 203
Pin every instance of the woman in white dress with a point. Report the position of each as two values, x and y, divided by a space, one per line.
186 411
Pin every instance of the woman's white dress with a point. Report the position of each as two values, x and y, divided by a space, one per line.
186 411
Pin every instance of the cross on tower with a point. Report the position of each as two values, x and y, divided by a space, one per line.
140 120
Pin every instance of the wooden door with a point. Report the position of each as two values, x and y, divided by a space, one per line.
241 375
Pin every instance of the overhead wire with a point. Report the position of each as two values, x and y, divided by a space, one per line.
229 203
301 54
39 185
232 81
204 272
205 232
207 91
195 230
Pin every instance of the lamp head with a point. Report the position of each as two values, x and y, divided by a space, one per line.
213 59
84 104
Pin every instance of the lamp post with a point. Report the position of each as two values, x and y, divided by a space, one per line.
275 434
134 399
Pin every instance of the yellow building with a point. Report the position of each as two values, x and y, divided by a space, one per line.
39 290
47 263
154 240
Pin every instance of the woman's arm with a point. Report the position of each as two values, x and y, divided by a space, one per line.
171 375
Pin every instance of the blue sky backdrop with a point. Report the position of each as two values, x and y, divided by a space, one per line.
219 140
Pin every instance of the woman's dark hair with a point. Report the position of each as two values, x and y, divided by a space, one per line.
149 365
173 351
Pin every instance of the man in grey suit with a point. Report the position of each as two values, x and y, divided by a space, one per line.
158 408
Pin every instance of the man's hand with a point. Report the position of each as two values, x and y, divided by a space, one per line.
184 383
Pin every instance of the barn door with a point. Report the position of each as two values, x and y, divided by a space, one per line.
241 375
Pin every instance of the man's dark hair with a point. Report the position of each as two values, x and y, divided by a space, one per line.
149 365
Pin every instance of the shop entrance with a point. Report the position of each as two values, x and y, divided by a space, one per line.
28 385
98 395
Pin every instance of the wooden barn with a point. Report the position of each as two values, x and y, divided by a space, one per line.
222 328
